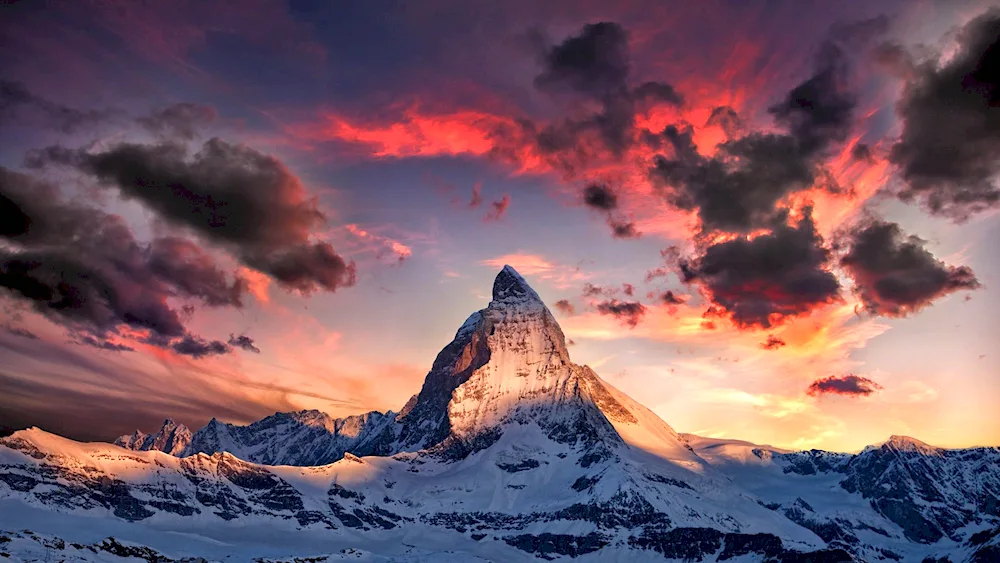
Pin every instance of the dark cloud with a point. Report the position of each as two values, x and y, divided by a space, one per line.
660 272
232 195
39 158
19 331
591 290
101 344
307 267
595 62
600 196
628 312
84 269
670 298
180 120
862 152
498 209
96 296
762 281
949 150
244 342
726 119
657 92
739 189
477 196
850 385
895 58
621 228
894 275
84 233
197 347
819 111
193 272
628 289
17 102
565 307
772 343
596 65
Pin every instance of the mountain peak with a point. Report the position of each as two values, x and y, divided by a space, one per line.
908 444
171 438
509 284
508 367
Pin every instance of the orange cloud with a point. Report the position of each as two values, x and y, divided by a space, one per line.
257 284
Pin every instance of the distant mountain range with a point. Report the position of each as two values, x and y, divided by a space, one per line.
510 452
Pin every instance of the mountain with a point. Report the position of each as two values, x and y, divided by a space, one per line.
895 498
302 438
171 438
509 452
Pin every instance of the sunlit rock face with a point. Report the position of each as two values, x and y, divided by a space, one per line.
171 438
508 364
297 438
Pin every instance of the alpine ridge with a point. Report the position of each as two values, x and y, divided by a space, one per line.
171 438
509 452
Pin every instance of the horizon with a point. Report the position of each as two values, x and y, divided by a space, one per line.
742 218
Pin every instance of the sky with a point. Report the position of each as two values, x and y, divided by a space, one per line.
773 221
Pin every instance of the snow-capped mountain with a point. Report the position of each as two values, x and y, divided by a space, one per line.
899 498
298 438
171 438
509 452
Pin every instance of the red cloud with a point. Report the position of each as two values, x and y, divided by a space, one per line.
498 209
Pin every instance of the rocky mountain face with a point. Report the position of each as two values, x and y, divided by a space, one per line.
509 452
300 438
884 501
931 493
171 438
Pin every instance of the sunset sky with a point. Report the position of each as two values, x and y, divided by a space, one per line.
226 209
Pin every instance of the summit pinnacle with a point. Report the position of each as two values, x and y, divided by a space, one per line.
509 283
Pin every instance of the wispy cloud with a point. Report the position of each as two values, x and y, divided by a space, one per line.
381 246
560 276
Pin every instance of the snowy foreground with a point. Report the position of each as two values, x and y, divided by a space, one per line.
510 452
